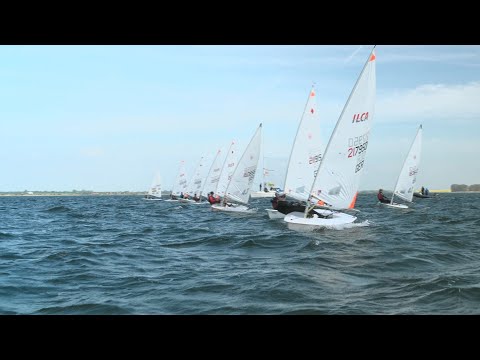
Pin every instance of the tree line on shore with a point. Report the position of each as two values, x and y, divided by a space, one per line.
462 187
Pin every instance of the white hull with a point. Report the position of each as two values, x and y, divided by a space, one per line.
297 221
170 200
186 201
395 205
262 194
275 214
240 209
152 199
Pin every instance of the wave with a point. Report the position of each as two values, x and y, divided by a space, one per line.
83 309
60 208
6 235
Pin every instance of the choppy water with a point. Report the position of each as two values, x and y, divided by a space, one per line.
124 255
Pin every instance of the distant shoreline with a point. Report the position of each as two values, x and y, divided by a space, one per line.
71 194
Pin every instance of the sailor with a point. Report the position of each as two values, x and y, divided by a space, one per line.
278 197
382 198
211 199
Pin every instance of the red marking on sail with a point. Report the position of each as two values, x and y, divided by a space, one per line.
312 94
312 111
352 204
373 57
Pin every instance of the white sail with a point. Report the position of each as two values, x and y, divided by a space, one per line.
196 183
408 175
227 170
238 189
306 153
213 175
337 179
156 188
180 184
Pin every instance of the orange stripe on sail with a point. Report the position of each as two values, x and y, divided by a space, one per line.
320 203
352 204
373 57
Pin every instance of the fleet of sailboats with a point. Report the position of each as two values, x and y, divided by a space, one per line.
324 179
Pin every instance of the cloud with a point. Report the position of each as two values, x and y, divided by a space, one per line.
431 101
464 55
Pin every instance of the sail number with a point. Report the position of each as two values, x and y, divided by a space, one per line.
353 151
250 173
357 145
359 166
314 159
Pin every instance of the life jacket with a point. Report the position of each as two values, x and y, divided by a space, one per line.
275 203
211 200
380 196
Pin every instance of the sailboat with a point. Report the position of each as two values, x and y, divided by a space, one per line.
213 175
337 179
240 184
196 184
155 191
305 156
180 184
266 189
227 170
404 188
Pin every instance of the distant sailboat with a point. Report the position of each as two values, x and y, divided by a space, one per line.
227 170
196 184
213 175
337 180
267 188
155 191
180 184
240 184
404 188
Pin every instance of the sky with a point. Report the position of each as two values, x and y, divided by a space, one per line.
106 118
